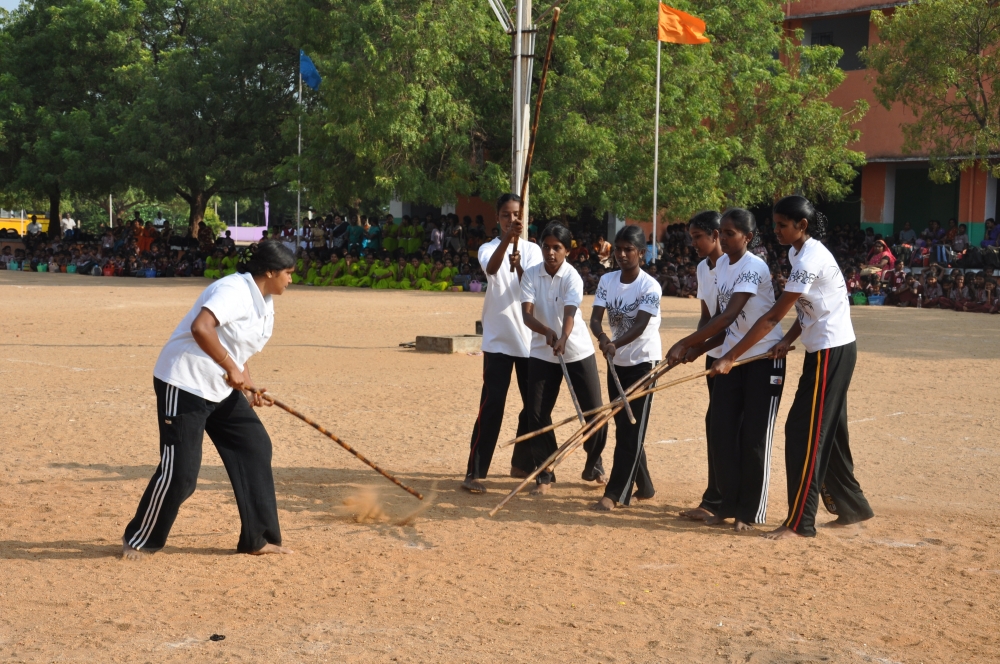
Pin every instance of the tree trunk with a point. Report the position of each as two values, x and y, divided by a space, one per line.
198 201
55 197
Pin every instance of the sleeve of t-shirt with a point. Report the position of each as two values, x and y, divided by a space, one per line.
528 286
649 301
227 301
751 277
531 255
601 294
702 286
802 277
485 254
573 296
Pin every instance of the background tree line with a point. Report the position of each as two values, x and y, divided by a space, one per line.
190 99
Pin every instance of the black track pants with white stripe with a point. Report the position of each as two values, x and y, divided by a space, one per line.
546 378
492 402
711 495
817 444
245 449
744 409
630 458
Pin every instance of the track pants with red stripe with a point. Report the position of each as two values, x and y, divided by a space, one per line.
817 445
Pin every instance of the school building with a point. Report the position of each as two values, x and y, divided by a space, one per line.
893 187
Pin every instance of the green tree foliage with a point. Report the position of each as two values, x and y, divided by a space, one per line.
59 95
940 59
416 102
211 93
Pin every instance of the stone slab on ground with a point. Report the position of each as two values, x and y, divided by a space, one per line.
459 343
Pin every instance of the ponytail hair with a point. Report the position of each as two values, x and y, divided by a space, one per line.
263 257
798 208
634 236
745 222
559 232
506 198
708 221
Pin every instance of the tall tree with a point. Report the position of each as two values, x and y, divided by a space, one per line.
59 92
941 59
214 87
417 103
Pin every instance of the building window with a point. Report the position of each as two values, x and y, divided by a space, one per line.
849 33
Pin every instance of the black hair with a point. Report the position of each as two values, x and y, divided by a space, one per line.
799 207
745 222
559 232
708 221
505 198
265 256
634 236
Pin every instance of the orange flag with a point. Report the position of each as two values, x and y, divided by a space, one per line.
678 27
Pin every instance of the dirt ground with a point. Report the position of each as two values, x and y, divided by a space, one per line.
545 579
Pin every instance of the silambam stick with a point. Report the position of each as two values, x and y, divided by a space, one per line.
322 430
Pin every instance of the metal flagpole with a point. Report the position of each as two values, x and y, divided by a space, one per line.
298 201
656 145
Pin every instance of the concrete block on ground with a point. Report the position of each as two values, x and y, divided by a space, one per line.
459 343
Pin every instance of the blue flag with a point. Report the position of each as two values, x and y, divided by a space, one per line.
310 75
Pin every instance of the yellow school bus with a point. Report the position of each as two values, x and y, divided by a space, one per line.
21 225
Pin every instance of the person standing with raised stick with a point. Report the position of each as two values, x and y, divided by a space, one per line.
817 450
506 342
551 294
744 402
631 298
203 385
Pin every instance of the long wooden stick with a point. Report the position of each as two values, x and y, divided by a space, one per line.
581 436
538 110
621 392
318 427
572 392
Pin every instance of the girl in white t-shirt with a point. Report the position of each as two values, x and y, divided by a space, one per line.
631 299
202 384
817 451
551 295
745 401
703 230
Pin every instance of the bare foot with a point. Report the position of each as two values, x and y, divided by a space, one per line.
841 522
271 548
128 553
517 473
605 504
473 486
781 533
741 527
541 489
639 496
697 514
712 520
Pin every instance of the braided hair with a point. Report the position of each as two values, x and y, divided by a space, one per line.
745 222
262 257
798 208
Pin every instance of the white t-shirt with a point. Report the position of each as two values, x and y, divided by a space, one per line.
748 275
551 295
34 227
823 308
708 292
623 302
503 326
246 319
67 224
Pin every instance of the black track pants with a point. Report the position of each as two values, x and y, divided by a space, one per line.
817 444
245 448
711 495
496 381
545 379
744 409
630 458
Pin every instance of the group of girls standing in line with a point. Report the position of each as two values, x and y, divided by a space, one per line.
531 316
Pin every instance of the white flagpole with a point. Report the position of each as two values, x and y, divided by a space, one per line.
656 145
298 201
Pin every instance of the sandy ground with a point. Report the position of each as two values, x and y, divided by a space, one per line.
546 578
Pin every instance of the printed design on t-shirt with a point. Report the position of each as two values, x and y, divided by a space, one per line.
621 315
748 277
803 277
804 309
602 293
725 294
